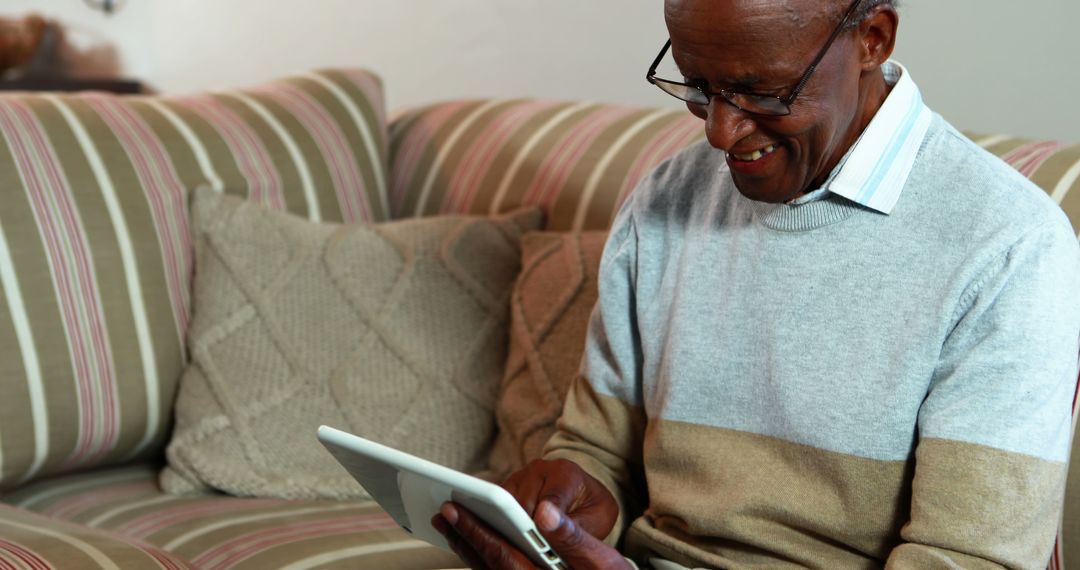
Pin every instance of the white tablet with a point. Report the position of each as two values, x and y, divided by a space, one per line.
412 490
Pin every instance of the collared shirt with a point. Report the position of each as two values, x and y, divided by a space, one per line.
876 167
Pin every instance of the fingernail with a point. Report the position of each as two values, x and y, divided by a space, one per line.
548 517
449 513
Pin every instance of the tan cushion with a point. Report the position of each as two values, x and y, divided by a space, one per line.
396 332
576 160
95 254
215 531
551 305
29 540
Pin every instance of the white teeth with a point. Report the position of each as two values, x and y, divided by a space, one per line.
756 154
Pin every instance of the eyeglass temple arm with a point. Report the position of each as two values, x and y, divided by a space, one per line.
656 63
821 55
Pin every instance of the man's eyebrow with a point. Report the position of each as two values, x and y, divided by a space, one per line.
746 80
743 82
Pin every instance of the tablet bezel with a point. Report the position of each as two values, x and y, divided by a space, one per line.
419 488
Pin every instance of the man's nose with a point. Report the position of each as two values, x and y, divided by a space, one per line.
726 124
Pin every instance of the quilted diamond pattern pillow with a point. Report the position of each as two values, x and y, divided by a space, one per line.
550 310
396 332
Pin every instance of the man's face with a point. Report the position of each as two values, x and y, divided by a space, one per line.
763 47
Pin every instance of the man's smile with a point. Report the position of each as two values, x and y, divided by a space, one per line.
755 162
755 155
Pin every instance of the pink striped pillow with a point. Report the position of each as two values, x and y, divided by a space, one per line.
95 254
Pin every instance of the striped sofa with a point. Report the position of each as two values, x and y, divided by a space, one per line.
96 266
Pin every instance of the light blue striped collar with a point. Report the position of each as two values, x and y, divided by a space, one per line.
875 169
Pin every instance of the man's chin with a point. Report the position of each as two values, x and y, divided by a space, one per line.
761 191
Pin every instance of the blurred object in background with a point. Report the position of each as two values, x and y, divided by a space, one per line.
19 43
40 55
107 6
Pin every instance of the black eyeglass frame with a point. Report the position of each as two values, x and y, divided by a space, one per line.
729 95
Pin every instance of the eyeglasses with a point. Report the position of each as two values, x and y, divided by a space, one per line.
751 103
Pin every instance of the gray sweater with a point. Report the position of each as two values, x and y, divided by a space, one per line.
825 385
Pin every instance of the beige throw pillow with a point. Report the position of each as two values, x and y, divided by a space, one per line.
395 331
550 310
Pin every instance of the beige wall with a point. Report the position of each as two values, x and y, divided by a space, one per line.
990 65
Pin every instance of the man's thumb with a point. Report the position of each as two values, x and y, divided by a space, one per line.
559 529
575 546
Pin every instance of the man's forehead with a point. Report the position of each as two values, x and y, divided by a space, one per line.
767 30
748 43
794 13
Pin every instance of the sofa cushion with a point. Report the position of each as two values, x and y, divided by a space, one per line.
95 255
30 540
576 160
549 314
579 160
215 531
394 331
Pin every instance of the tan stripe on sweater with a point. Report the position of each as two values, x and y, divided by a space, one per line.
721 497
997 492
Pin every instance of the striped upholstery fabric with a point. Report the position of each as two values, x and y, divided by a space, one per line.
33 542
95 256
216 532
576 160
579 160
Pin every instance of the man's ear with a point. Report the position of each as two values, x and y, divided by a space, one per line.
877 33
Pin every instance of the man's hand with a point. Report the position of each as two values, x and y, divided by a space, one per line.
571 509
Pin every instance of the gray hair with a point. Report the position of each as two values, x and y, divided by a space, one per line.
863 12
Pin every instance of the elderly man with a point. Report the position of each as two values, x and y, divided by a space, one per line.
836 335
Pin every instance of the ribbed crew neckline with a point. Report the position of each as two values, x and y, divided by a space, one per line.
803 217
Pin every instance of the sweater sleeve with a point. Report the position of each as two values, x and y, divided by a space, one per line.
602 421
995 427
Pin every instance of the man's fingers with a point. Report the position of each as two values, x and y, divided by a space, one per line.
462 549
561 532
480 546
